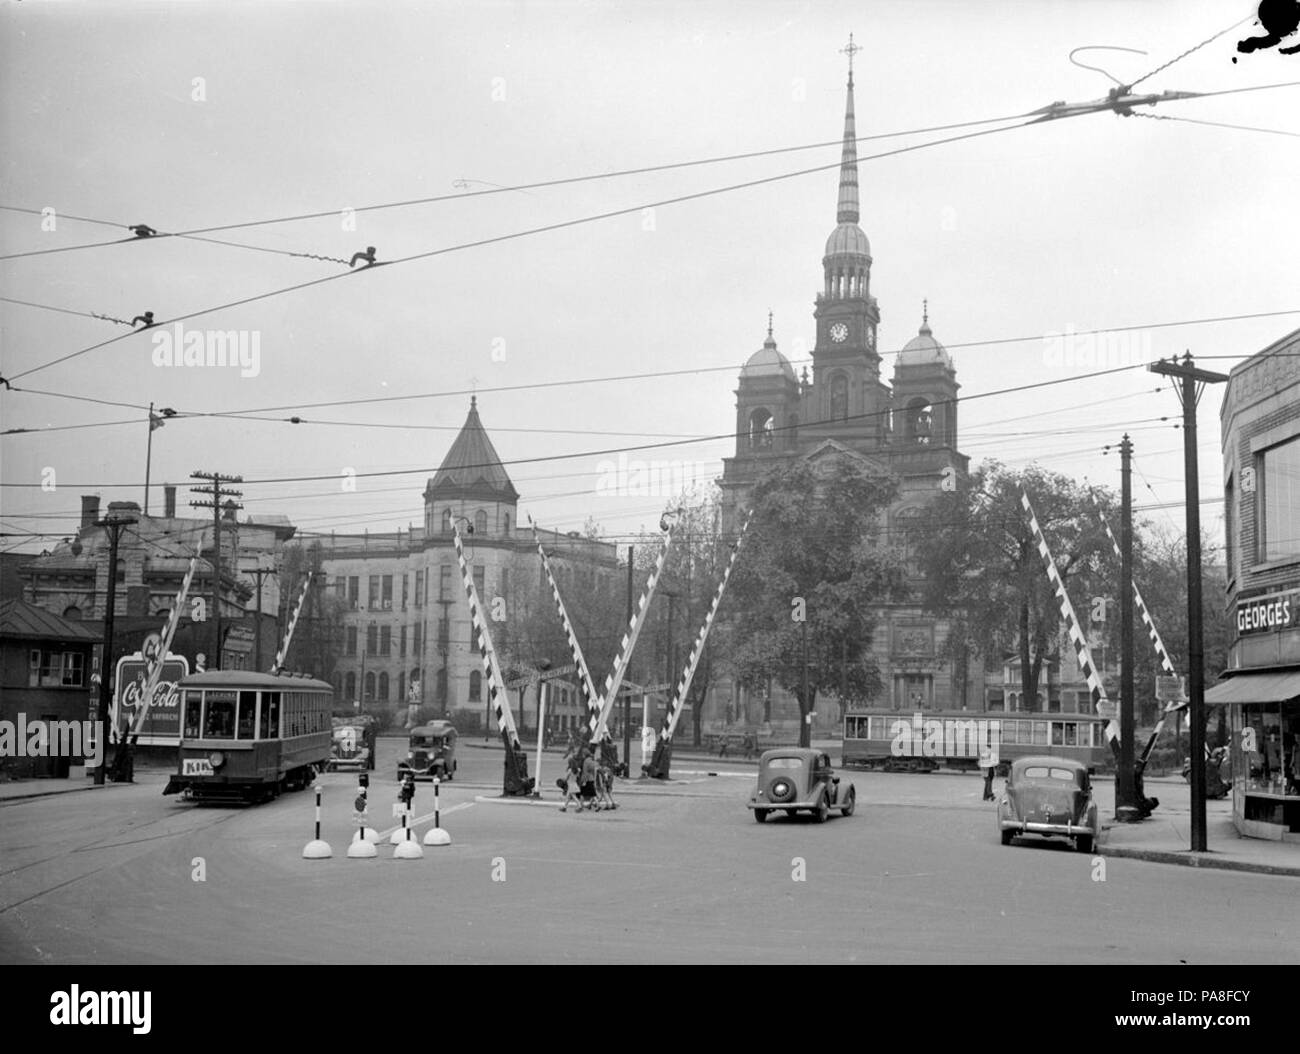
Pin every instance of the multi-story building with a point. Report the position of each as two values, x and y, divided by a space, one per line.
845 409
1260 421
406 632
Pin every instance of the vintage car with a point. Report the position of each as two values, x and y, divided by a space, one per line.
1052 797
795 779
432 752
352 745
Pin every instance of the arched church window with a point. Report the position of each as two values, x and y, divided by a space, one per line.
446 521
370 687
919 422
839 397
480 522
760 430
72 614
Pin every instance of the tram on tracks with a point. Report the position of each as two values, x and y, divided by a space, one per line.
925 741
247 736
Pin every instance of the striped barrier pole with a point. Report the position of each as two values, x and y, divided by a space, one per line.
363 842
436 835
317 849
283 653
575 649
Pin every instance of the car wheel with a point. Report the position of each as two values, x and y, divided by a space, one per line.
760 815
823 810
1083 843
1007 836
850 803
781 789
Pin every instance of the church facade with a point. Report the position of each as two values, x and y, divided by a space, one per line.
907 427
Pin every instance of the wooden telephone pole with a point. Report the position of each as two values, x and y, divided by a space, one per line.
216 493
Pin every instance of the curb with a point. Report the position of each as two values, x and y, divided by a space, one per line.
4 798
1187 858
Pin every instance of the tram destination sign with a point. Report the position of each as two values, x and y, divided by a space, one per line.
1268 614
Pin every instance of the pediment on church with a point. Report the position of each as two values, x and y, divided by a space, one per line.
823 457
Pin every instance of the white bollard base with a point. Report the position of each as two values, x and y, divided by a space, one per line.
408 850
317 850
362 850
436 836
372 835
399 836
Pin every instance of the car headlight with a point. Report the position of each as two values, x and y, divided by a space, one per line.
216 759
410 754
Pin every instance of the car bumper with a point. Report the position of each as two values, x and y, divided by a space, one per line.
1067 830
752 804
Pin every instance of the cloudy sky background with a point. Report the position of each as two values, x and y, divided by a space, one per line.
1089 223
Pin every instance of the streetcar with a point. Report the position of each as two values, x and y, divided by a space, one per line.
247 736
925 741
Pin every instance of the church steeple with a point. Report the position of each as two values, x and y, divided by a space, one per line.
847 211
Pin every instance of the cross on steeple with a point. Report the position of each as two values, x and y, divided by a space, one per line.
769 325
925 311
850 51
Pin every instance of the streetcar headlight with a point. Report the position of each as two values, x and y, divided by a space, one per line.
217 759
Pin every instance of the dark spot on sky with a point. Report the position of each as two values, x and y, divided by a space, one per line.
1280 19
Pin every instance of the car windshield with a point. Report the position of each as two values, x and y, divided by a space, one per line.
785 763
425 742
1042 772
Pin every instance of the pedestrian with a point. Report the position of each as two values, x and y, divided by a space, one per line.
569 784
588 781
988 783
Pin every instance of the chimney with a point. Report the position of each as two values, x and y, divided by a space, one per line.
169 501
89 510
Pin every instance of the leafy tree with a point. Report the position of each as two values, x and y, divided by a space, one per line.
810 578
979 557
318 638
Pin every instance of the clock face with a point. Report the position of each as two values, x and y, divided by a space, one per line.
839 332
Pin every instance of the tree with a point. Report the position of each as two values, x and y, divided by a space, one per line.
318 637
803 596
979 558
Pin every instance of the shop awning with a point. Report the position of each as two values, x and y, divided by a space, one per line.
1260 687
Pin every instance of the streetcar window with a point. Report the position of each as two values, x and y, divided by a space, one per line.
219 716
1071 734
270 715
193 706
1058 734
1040 733
247 714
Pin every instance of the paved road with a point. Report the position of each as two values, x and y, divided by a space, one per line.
677 874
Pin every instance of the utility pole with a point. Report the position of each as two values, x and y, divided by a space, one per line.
627 698
1125 797
114 526
216 492
1189 396
260 573
805 721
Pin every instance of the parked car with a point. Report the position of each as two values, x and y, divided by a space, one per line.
432 752
1051 797
796 779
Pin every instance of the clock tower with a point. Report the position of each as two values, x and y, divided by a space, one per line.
848 400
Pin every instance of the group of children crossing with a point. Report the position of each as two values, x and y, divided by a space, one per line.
588 781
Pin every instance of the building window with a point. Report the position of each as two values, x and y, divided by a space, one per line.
480 522
419 588
479 580
56 669
996 702
350 648
385 640
354 592
913 691
401 643
370 687
446 521
506 525
444 582
760 430
1279 482
386 592
72 614
405 583
374 592
351 690
372 639
475 686
383 687
401 685
417 638
839 397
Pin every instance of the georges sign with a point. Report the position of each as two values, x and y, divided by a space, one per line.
1268 614
162 725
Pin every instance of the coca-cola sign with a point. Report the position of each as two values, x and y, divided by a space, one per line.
162 723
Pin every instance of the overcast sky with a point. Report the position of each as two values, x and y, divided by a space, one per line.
191 115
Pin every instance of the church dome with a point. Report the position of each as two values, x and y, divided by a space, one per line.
924 350
767 362
848 239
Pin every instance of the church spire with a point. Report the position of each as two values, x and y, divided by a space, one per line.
847 211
